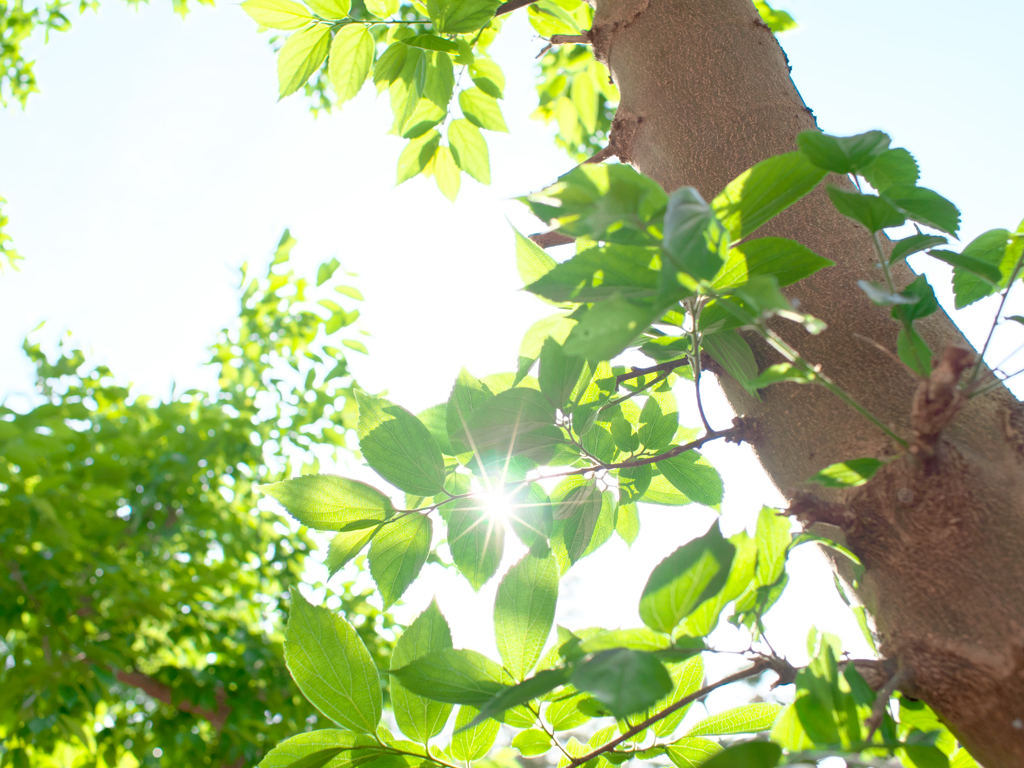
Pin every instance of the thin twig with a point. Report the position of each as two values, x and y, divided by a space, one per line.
995 322
570 40
694 309
756 669
882 700
636 373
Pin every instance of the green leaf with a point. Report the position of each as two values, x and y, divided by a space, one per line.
659 421
891 168
345 546
470 150
460 16
474 742
842 154
540 684
777 21
382 9
333 10
786 260
517 422
417 154
880 295
558 373
584 98
608 328
989 247
453 676
694 476
684 579
531 517
576 513
847 474
331 666
908 246
432 43
623 680
639 639
749 718
300 56
661 491
923 305
318 759
693 237
482 110
764 191
779 372
924 206
398 447
978 267
773 539
704 618
751 754
487 76
613 203
418 717
692 753
286 753
600 273
914 351
326 270
468 394
476 540
733 353
531 743
532 261
390 65
926 756
687 677
277 14
397 554
351 59
524 611
446 172
870 210
627 523
329 502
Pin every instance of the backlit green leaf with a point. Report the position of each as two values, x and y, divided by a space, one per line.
576 513
608 328
351 58
842 154
627 523
446 172
482 110
345 546
398 447
302 745
397 554
924 206
991 248
891 168
687 677
418 717
300 56
382 9
524 611
532 743
749 718
908 246
786 260
476 540
693 238
751 754
470 150
847 473
330 502
692 474
472 743
870 210
623 680
459 16
453 676
331 666
599 273
277 14
692 753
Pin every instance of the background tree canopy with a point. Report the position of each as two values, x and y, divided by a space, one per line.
106 663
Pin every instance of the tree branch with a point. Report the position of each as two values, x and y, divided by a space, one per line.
756 669
551 239
636 373
512 5
157 690
570 39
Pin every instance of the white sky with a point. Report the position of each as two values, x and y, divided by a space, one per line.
156 160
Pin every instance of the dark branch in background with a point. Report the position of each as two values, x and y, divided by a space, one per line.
512 5
551 239
157 690
636 373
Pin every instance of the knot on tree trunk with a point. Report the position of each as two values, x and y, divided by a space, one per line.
936 403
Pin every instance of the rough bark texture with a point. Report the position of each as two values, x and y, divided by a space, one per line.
706 93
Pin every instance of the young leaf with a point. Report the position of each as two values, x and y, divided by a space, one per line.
692 474
334 10
524 610
470 150
880 295
446 172
482 110
382 9
847 473
989 247
693 753
704 618
870 210
842 154
351 58
686 578
329 502
277 14
418 717
627 523
892 167
923 305
908 246
476 540
345 546
531 517
623 680
453 676
398 447
460 16
487 75
532 743
786 260
331 666
532 261
764 191
301 56
286 753
472 743
693 237
749 718
659 420
397 554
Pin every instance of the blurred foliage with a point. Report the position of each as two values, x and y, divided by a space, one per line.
131 543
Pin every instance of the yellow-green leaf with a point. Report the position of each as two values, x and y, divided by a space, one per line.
469 149
330 9
351 59
446 173
277 14
301 56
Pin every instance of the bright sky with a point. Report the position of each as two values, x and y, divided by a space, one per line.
156 160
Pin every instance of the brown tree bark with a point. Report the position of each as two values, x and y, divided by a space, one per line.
706 93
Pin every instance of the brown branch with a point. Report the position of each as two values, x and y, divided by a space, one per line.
570 40
512 5
157 690
551 239
758 667
636 373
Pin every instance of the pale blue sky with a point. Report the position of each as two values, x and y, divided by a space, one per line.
156 160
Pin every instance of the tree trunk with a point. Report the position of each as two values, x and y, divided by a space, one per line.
706 93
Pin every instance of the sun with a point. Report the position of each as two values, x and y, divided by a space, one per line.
497 505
